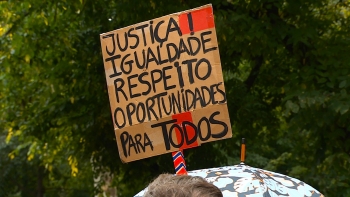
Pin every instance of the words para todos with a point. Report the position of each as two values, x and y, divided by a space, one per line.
136 143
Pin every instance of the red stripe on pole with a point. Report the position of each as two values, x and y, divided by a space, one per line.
179 162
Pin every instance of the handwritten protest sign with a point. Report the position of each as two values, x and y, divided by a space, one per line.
165 84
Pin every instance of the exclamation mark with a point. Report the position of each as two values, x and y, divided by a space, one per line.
190 22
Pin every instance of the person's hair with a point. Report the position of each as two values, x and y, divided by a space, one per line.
168 185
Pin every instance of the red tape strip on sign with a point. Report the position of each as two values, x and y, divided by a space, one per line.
196 20
187 132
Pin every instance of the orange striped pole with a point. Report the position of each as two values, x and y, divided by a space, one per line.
243 151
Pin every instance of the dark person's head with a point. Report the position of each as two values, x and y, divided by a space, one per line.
168 185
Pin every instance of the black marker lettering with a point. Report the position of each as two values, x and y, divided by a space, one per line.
130 110
113 41
221 92
118 109
137 59
172 128
156 35
119 88
196 70
142 27
158 96
122 66
155 80
175 49
131 35
197 97
170 104
132 144
112 59
124 138
179 74
185 126
150 109
190 72
160 61
166 77
151 31
208 128
205 102
176 103
189 102
165 131
141 80
133 85
140 108
172 22
205 41
151 59
213 121
147 141
194 50
125 42
183 49
138 142
212 95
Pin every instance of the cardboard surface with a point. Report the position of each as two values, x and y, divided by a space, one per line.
165 84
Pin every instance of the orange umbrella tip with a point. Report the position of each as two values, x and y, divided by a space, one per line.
243 151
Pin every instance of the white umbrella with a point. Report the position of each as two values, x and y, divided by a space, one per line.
246 181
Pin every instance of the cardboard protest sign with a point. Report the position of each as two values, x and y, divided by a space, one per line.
165 84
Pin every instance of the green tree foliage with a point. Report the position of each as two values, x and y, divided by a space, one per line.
286 65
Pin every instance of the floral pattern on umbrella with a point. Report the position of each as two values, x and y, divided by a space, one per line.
243 180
